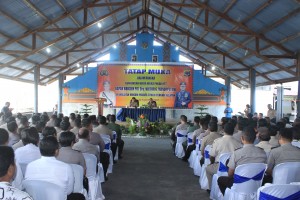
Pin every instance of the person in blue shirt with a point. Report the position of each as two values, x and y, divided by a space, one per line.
228 111
183 97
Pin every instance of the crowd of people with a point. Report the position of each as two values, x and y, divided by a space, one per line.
48 145
251 138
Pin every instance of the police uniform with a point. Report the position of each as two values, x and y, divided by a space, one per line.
182 97
247 154
208 140
265 145
68 155
110 97
225 144
238 136
274 141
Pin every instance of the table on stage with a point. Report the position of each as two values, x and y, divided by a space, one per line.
152 114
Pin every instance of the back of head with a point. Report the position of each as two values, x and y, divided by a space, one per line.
86 122
40 126
7 158
49 131
249 134
3 136
213 126
65 125
286 134
44 118
263 133
214 119
60 115
229 129
112 118
273 130
197 119
280 125
66 138
296 132
234 117
30 136
183 118
83 133
242 124
233 122
77 123
85 115
72 116
102 120
10 119
66 119
262 123
53 117
48 146
92 118
24 121
208 117
57 122
249 115
35 119
12 127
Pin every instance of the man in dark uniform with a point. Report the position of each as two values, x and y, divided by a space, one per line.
183 97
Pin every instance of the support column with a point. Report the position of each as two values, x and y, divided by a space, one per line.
60 92
298 76
279 111
36 88
227 83
252 78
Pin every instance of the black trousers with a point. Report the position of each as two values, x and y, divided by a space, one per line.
104 160
225 182
75 196
188 152
120 145
113 148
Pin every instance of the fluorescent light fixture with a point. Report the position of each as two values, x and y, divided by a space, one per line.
213 67
48 50
177 48
115 46
78 65
99 24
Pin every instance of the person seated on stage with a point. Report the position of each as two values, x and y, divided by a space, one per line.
116 127
152 103
134 102
8 168
247 154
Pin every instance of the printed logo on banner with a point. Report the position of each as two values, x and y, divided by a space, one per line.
187 72
103 72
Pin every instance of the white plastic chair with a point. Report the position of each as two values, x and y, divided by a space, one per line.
115 141
181 138
285 173
215 192
247 180
203 178
42 190
189 139
194 153
18 179
196 163
277 192
107 149
95 190
78 179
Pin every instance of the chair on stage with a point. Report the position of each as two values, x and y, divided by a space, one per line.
43 190
181 138
203 178
78 180
285 173
95 190
278 192
107 149
215 192
247 180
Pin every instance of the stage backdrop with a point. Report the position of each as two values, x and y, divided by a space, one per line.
159 82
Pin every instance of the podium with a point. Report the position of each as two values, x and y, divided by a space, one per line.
100 103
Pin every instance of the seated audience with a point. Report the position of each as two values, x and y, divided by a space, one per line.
66 153
225 144
3 137
247 154
30 151
117 128
52 120
273 130
264 137
285 153
195 125
14 137
242 123
76 127
182 126
49 131
57 125
52 170
64 126
7 172
72 120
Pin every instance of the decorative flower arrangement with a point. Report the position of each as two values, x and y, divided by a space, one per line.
144 127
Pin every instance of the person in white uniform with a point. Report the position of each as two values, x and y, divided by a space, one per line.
109 95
